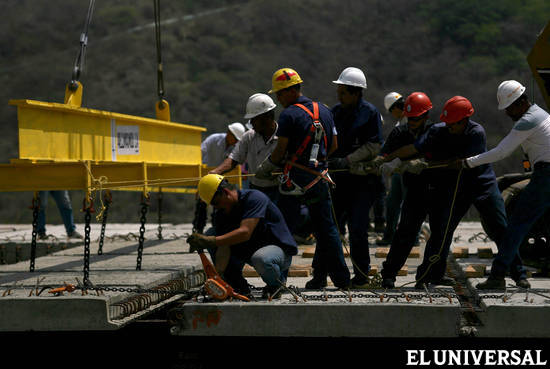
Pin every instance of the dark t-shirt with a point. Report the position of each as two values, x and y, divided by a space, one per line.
439 144
270 230
295 124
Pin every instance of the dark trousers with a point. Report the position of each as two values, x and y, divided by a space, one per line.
413 214
329 256
443 223
352 203
532 203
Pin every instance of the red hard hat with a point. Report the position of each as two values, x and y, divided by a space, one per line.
417 104
456 109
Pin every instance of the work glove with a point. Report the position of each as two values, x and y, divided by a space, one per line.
364 168
415 166
368 151
388 168
199 242
265 169
338 163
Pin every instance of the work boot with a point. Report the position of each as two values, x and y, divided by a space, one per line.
42 236
492 283
75 234
444 281
388 283
359 282
274 291
523 283
316 283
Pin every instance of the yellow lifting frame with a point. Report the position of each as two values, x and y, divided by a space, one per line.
67 147
53 131
25 175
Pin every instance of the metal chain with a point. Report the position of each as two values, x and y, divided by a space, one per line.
144 206
87 230
35 208
103 224
159 228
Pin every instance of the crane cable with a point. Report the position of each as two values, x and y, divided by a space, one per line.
160 77
81 56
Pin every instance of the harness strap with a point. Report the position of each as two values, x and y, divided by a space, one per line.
313 133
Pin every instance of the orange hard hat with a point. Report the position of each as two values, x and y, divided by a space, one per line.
417 104
456 109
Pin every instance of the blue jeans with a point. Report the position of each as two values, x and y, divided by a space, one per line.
329 256
63 202
531 204
270 261
272 264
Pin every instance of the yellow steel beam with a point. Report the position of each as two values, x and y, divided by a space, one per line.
26 175
65 132
539 62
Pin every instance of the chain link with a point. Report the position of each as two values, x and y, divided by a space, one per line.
103 225
159 234
144 206
35 208
87 230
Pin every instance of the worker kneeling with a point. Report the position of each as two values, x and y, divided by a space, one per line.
249 229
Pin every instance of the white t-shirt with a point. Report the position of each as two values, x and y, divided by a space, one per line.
531 131
253 149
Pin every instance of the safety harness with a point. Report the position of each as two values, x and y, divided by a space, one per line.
315 133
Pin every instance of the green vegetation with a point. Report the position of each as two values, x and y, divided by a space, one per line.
218 53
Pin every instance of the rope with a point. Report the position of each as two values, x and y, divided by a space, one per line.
435 258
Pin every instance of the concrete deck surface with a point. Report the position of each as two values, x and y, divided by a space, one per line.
402 312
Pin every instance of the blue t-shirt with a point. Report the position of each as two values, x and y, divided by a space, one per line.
295 124
437 143
270 230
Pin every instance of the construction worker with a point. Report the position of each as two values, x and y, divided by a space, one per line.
394 103
415 182
256 144
306 138
63 202
359 138
249 229
531 130
214 149
451 192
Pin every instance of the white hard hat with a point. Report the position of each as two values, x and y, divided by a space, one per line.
258 104
352 76
508 92
390 99
237 129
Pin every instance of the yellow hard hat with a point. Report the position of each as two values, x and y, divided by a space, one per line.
284 78
208 185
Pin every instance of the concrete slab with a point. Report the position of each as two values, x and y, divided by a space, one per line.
25 303
402 312
305 319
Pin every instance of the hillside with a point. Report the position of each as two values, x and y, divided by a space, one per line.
218 53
